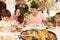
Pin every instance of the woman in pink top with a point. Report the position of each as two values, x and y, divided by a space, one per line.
35 17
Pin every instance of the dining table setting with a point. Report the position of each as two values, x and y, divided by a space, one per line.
32 32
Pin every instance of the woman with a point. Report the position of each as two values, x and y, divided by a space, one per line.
18 17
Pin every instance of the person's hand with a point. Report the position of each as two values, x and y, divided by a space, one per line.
25 21
2 29
46 23
12 28
16 24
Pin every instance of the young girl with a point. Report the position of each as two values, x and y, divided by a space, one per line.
57 19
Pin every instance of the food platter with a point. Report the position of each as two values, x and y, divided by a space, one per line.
33 33
38 35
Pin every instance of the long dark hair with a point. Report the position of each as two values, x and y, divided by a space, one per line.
21 16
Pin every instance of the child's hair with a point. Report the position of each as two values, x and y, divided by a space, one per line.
5 13
34 6
58 13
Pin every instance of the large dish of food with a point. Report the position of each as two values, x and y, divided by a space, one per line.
38 35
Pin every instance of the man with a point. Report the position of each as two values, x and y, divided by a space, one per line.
35 17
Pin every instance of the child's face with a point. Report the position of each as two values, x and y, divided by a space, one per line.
34 11
6 18
57 18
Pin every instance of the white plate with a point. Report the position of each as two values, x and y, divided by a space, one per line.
9 34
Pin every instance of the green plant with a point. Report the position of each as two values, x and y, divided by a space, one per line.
51 19
34 2
27 12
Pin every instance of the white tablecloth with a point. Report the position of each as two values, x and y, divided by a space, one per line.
57 32
15 35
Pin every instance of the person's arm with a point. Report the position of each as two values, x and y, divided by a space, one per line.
46 23
27 20
13 26
1 27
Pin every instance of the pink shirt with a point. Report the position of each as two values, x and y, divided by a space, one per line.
36 19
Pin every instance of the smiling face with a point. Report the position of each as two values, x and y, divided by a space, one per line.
34 11
17 12
57 18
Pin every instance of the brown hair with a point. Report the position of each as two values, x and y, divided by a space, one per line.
5 13
21 16
34 6
58 13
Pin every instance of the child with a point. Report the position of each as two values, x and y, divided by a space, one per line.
5 23
57 19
